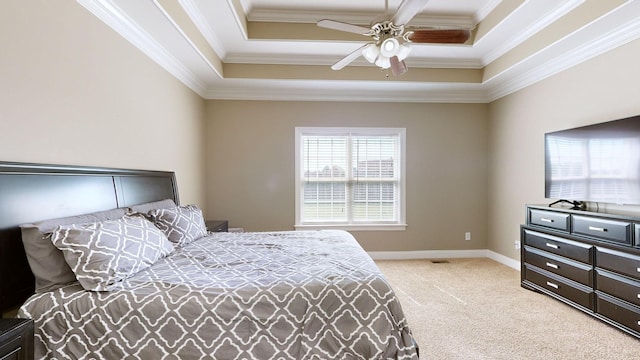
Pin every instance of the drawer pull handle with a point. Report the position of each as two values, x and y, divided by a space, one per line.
546 220
554 246
554 266
555 286
594 228
638 269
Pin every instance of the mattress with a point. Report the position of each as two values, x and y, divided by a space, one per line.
271 295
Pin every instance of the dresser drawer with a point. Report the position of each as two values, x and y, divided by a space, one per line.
16 339
618 286
619 262
559 246
550 219
11 349
622 313
574 292
605 229
558 265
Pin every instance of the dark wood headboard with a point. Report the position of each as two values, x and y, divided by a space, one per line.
34 192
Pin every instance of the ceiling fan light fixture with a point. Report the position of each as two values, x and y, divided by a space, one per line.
404 51
371 53
389 47
383 62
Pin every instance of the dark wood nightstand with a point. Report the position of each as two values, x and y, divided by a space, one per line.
216 226
16 339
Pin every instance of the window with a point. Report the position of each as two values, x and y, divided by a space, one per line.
350 178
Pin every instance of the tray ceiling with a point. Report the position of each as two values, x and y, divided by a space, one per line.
273 50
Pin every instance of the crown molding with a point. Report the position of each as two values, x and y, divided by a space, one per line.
562 55
116 18
198 18
482 13
276 59
504 47
322 90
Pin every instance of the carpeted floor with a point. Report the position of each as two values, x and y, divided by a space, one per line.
476 309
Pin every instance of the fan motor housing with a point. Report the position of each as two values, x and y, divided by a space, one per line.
386 29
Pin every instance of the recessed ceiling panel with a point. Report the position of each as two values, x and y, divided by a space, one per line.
272 49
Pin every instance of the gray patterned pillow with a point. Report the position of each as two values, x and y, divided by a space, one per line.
47 262
181 224
103 253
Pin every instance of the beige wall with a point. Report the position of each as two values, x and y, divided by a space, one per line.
72 91
604 88
250 167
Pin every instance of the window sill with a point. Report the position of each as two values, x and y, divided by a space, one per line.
358 227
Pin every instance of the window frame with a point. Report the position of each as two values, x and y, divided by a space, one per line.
400 224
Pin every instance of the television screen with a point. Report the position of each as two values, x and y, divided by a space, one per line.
597 163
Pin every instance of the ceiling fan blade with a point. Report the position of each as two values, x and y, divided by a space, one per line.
398 67
348 59
407 10
340 26
433 36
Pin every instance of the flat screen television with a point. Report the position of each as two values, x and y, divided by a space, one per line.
594 163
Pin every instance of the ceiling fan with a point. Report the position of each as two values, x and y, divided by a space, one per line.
391 43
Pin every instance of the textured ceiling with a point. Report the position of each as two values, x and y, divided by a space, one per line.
273 49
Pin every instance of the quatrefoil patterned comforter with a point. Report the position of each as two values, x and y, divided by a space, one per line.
277 295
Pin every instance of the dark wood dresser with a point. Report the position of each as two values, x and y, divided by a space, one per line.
16 339
589 260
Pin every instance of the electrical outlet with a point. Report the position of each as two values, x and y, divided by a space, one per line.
516 244
467 235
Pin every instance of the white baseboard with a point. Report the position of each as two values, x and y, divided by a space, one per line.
444 254
504 260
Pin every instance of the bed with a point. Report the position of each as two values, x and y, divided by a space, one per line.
185 293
